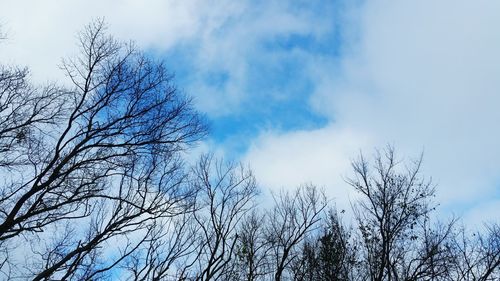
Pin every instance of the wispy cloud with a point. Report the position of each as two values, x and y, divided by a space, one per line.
300 86
419 75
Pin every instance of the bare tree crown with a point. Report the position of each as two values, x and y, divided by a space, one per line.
94 186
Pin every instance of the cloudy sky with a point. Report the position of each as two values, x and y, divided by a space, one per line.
296 89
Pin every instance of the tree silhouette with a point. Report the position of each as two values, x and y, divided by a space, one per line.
393 217
90 164
94 185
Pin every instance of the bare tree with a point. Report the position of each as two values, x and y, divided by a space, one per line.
328 254
166 252
476 256
393 218
226 193
99 160
294 215
253 249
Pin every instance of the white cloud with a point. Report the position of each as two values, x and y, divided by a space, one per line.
482 215
40 33
223 36
321 157
235 40
419 75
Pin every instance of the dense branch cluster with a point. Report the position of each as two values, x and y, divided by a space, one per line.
94 186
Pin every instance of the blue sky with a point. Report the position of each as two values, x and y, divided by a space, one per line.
296 89
275 94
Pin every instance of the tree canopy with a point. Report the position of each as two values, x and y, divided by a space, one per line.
94 186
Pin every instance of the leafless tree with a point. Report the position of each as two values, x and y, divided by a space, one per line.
476 256
329 253
166 252
226 193
98 161
253 249
93 186
293 216
393 219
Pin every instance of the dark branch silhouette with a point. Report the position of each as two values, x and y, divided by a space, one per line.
94 185
99 159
